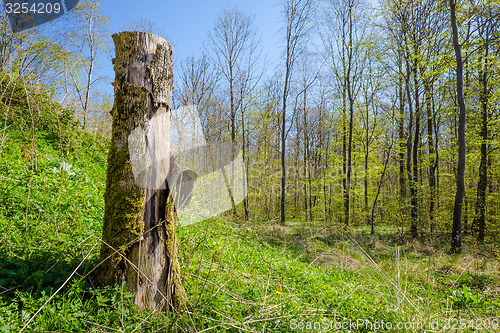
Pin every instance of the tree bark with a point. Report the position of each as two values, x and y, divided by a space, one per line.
409 147
415 212
456 233
480 219
245 158
365 182
139 230
307 153
347 199
432 154
401 135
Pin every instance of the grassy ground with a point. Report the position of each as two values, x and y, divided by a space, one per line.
240 276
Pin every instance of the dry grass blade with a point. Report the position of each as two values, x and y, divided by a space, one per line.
374 264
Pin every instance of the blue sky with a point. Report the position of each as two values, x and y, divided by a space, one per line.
187 23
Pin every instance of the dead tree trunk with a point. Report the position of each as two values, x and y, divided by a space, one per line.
139 236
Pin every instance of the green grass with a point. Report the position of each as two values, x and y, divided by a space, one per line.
254 276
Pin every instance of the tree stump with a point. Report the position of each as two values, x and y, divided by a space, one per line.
139 230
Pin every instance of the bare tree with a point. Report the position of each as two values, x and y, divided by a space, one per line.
232 45
298 15
309 126
369 129
196 86
86 39
146 25
395 18
343 44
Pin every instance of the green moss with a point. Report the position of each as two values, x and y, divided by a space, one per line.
124 200
123 203
178 293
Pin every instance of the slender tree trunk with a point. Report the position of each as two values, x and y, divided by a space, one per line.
292 37
344 152
366 180
283 135
283 147
367 155
416 142
283 170
139 237
438 182
325 178
309 178
307 152
87 93
245 183
409 147
344 129
230 183
432 158
401 135
456 233
347 202
379 186
480 220
466 215
89 74
306 196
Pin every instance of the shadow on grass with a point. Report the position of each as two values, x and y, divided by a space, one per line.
40 271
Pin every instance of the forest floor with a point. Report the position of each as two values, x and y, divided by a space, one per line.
253 276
